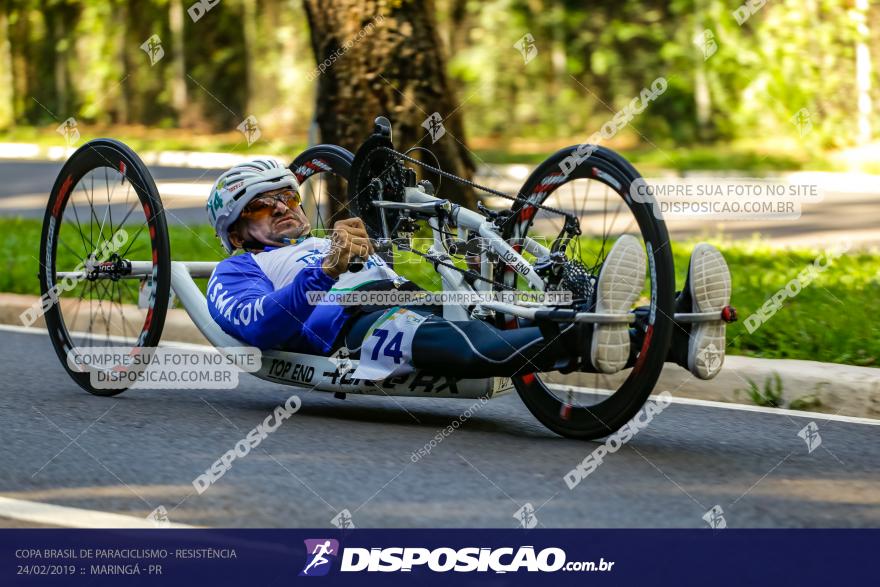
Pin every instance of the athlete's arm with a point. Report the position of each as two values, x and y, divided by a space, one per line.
243 301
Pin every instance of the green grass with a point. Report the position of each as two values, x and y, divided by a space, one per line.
771 394
831 320
704 158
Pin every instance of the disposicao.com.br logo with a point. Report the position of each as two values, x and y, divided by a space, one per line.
441 560
320 553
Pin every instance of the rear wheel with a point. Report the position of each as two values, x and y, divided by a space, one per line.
103 218
322 172
596 193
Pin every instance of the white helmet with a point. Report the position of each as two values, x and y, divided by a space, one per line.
237 187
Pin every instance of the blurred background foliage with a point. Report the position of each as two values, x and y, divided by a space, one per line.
83 58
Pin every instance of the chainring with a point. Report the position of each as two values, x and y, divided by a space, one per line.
376 173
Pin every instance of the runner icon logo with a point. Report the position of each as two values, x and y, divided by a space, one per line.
343 520
320 553
526 516
810 434
715 518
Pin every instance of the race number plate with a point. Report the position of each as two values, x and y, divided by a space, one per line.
387 348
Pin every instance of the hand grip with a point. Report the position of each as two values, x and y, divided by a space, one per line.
355 264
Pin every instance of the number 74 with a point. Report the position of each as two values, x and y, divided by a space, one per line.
392 346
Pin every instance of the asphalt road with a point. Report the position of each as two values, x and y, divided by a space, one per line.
141 450
849 212
25 187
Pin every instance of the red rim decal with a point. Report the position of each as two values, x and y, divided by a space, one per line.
643 354
309 168
527 213
62 195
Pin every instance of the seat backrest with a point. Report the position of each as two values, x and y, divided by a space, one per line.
196 305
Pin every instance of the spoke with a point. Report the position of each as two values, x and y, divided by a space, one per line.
110 311
94 216
586 197
604 223
614 220
109 197
103 240
583 210
79 228
100 224
601 258
76 313
132 240
319 218
127 214
68 247
118 287
130 254
91 313
127 190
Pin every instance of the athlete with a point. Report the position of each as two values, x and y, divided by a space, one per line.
261 296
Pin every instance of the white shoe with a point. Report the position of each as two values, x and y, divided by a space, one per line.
710 287
620 282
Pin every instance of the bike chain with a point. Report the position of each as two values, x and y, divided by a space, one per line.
456 178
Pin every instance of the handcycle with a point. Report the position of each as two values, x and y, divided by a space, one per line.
552 235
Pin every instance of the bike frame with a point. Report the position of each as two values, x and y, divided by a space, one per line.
328 374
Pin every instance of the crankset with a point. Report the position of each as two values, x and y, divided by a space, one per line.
378 176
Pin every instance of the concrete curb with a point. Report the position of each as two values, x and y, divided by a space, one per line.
818 387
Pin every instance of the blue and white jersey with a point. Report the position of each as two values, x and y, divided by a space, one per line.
262 298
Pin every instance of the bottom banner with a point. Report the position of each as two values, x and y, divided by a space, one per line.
434 557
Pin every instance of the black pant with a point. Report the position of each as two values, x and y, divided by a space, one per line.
474 349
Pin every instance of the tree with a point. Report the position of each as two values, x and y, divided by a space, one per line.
7 95
384 57
178 61
863 71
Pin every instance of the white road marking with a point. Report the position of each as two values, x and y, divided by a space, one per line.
676 400
36 512
731 406
111 338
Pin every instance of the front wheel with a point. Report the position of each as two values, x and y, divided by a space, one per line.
596 192
104 220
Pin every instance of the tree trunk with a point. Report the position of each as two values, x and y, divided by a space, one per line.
249 36
19 33
702 96
58 35
178 62
384 57
863 71
7 95
121 89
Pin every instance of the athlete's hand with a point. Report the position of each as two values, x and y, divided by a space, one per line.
348 239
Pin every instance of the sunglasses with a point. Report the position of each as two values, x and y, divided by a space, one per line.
263 206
